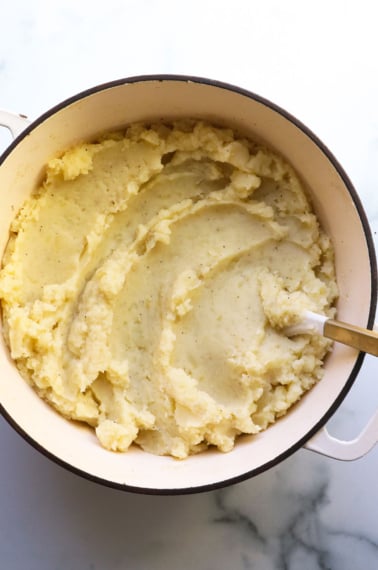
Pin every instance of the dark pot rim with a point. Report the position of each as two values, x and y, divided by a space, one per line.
369 244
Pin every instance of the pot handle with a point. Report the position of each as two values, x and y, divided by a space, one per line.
325 444
14 122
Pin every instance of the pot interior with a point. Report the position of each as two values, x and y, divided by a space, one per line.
112 107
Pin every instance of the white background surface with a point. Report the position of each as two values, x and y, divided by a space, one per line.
320 62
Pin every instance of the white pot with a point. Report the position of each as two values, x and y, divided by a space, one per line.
113 106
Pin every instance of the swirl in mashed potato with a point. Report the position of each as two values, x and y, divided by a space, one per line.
146 284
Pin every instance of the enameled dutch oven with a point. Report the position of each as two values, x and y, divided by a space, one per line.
113 106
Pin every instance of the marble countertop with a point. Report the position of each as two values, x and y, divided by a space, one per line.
319 61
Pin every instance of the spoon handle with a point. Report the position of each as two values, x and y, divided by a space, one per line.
358 337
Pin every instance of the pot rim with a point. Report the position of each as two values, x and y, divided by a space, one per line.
369 244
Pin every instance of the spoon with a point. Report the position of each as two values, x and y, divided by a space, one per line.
363 339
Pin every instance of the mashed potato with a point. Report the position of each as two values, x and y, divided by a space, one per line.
146 284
